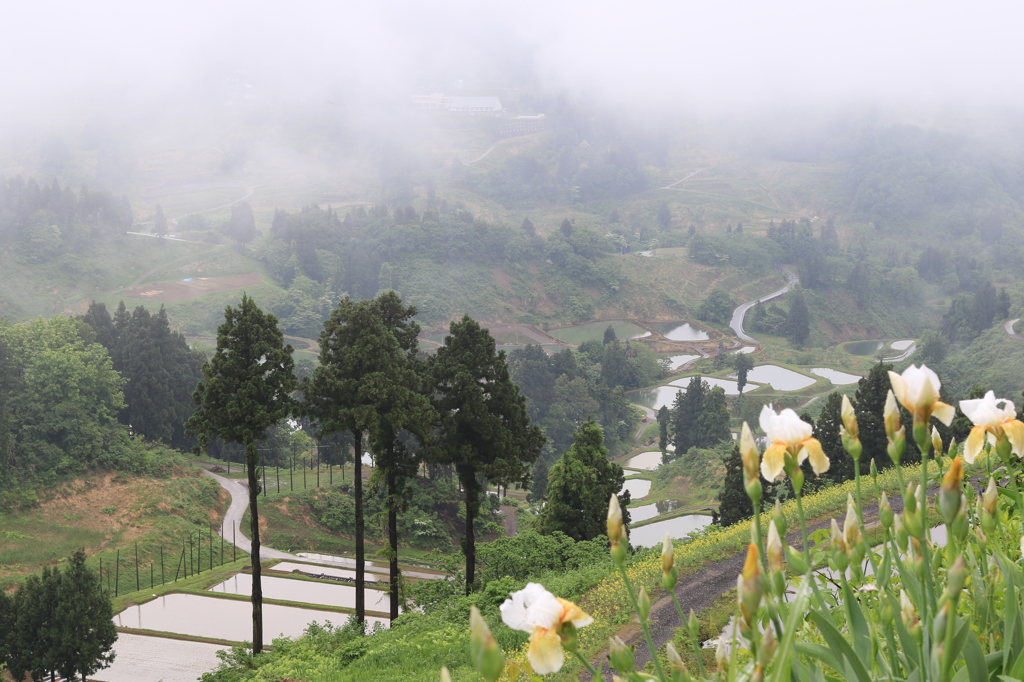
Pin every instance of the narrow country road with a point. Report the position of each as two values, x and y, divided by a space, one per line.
1009 329
737 315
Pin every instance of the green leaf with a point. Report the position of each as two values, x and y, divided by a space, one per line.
858 624
840 646
794 618
974 656
822 653
1011 494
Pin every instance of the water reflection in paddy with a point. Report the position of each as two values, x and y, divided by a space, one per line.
370 565
863 347
645 460
637 487
780 378
730 387
191 614
289 566
674 331
901 345
649 511
835 376
676 361
287 589
655 398
677 528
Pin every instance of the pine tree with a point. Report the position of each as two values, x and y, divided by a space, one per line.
663 421
609 335
484 429
84 617
580 484
247 389
528 227
243 223
733 502
742 363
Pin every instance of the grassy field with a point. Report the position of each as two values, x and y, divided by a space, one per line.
103 513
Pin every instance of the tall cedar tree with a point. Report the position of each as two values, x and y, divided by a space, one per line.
359 360
869 403
733 502
247 389
663 419
483 427
580 484
401 407
686 412
85 621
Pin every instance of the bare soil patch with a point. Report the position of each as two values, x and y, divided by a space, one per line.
167 292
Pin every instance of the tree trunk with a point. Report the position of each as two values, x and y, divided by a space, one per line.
471 506
393 537
251 460
360 562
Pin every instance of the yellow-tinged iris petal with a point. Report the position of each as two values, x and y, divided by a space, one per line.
1014 430
545 652
773 461
813 450
975 443
573 614
943 412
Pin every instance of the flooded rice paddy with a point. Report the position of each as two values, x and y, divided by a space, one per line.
835 376
230 619
650 511
779 378
138 656
679 527
647 461
902 345
637 487
676 361
728 385
289 589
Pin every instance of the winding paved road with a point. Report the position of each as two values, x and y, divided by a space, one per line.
1009 329
737 315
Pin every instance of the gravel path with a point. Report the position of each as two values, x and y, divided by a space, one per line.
699 590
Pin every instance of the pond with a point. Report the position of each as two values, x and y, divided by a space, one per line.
637 487
594 331
835 376
676 331
780 378
655 398
863 347
730 387
647 461
676 361
288 589
746 349
680 527
230 619
902 345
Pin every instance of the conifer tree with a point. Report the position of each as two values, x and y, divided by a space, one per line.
246 389
798 324
713 422
159 222
84 618
483 427
733 502
826 430
685 414
579 486
663 421
742 363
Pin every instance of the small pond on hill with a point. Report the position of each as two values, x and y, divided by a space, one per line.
681 331
649 511
835 376
863 347
779 378
676 361
649 460
730 387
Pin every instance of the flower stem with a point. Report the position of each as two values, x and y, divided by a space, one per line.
643 622
593 673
